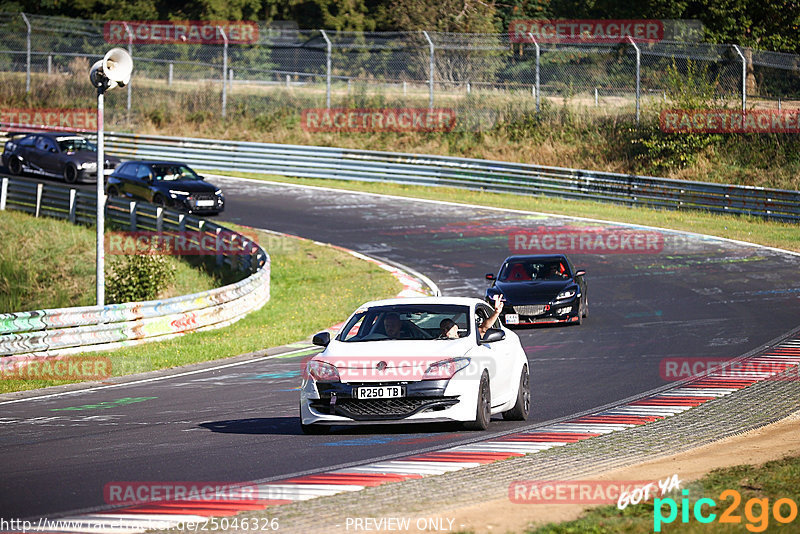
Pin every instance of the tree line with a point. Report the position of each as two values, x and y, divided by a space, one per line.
763 24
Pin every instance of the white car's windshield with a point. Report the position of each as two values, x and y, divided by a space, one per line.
407 321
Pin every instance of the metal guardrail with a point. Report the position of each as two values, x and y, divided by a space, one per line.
475 174
65 330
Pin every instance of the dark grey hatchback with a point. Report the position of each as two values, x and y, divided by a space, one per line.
68 156
166 183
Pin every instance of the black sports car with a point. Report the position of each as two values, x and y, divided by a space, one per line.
68 156
166 183
540 289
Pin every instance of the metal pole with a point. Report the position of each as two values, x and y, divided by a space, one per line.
27 56
3 193
224 71
538 51
169 78
744 77
430 72
72 196
130 51
327 70
101 201
638 74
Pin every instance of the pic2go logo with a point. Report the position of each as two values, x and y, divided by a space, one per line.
756 511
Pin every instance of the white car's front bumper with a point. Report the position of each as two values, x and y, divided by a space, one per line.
464 389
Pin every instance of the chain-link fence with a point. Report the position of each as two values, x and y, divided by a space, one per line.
484 77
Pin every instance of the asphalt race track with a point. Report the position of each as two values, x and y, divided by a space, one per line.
692 297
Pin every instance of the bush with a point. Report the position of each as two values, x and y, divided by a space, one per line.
138 277
661 152
158 117
691 88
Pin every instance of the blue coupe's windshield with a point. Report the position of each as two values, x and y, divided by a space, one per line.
174 172
406 321
528 270
74 144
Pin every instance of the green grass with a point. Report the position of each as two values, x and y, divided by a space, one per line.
773 480
744 228
48 263
313 287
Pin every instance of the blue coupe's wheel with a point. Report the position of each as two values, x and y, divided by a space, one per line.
70 174
15 166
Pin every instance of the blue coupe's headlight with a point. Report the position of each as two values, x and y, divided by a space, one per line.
174 193
566 294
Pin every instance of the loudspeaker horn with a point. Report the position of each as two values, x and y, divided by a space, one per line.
113 70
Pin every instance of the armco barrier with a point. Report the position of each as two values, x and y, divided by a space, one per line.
96 327
494 176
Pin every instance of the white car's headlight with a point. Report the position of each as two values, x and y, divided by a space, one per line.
566 294
445 369
322 371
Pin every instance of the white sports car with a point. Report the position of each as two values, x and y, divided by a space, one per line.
416 360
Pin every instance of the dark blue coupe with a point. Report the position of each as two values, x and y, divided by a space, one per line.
540 289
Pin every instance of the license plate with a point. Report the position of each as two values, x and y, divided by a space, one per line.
512 318
378 392
205 203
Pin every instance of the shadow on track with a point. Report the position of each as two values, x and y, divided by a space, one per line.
291 426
